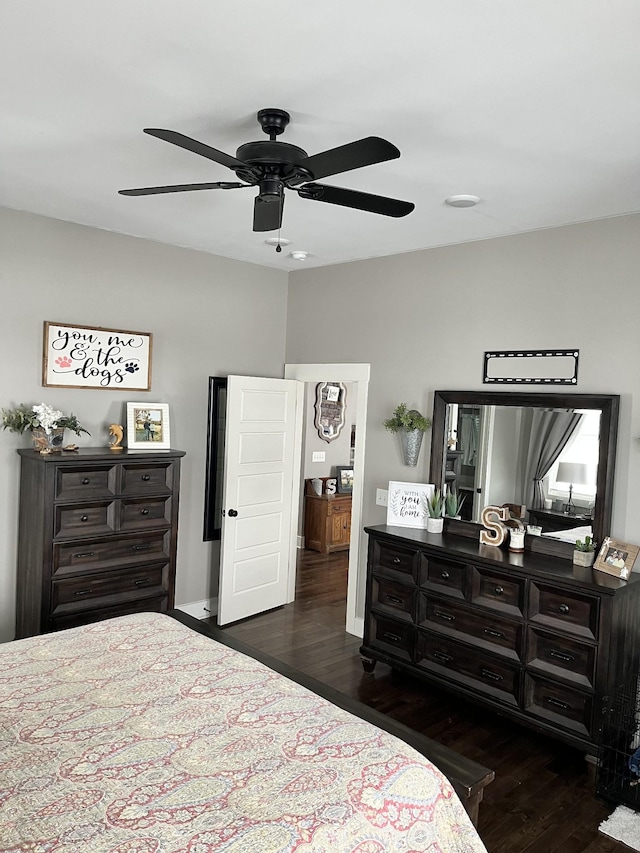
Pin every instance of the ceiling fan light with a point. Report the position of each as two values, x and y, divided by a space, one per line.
462 200
277 241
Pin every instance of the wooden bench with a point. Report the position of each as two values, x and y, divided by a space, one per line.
468 778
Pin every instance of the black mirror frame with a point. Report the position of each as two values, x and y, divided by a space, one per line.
609 405
212 528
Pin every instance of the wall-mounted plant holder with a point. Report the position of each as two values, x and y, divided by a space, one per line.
531 367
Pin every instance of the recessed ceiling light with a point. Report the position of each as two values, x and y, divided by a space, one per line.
462 200
277 241
299 255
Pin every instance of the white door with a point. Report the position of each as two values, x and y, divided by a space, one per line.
262 464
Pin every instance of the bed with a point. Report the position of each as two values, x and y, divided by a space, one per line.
141 735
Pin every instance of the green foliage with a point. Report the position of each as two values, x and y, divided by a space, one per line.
453 504
406 419
435 504
25 417
587 545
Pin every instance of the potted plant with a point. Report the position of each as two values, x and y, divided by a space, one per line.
585 552
453 504
411 426
435 511
46 424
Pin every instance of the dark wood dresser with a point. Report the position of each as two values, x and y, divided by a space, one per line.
97 536
531 636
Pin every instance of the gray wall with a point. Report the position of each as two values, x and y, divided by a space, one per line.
208 316
423 321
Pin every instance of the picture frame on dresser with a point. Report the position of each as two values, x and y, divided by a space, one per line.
616 558
148 426
344 477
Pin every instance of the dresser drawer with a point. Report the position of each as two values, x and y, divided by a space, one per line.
144 513
498 591
99 554
395 638
157 604
74 593
396 599
485 630
141 479
483 672
336 506
558 704
565 610
396 559
86 519
561 657
445 577
96 481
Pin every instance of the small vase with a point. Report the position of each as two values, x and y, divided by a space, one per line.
411 441
47 442
584 558
435 525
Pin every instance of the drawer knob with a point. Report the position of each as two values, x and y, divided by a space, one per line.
141 547
142 582
146 477
82 592
84 518
564 608
393 600
396 560
499 590
491 632
84 555
442 656
144 511
393 637
85 481
445 576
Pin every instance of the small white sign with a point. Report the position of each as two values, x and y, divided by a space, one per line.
407 504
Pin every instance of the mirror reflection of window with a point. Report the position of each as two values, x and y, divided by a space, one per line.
583 448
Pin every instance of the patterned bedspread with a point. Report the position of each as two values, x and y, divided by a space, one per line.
138 735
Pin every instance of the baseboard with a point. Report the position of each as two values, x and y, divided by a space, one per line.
200 609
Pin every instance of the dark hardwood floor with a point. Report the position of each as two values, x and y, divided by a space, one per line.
542 799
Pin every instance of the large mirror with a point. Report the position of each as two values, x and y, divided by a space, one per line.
551 453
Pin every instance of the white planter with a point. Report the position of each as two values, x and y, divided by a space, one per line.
435 525
584 558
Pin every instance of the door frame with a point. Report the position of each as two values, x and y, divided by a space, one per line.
358 374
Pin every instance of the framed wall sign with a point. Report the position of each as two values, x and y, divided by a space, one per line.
84 357
148 426
407 504
531 367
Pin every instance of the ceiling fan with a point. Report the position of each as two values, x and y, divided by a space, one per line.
275 166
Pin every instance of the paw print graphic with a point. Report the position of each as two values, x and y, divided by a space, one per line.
131 367
63 361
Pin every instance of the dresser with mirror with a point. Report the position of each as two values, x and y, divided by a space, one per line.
530 635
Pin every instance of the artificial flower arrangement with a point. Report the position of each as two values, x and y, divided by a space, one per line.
25 417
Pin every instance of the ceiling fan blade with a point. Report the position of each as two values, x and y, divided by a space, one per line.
200 148
354 198
267 215
354 155
183 188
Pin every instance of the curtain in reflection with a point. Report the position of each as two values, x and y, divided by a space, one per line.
545 434
469 426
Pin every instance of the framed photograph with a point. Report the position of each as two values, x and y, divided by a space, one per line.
407 504
148 426
616 558
86 357
344 477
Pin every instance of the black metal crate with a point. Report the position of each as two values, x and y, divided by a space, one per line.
616 780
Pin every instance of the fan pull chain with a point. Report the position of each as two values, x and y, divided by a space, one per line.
278 247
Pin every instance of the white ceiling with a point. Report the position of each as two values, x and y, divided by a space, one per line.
532 105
